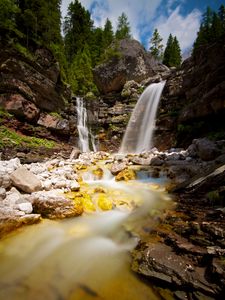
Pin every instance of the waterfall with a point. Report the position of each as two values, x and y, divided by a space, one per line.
84 134
139 131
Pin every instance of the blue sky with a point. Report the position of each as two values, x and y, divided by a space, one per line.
178 17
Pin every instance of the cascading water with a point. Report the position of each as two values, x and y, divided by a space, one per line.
139 131
84 135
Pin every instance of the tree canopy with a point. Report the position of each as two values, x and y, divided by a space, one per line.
123 27
172 54
156 48
212 27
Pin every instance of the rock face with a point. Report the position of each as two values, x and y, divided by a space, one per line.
131 63
34 81
192 103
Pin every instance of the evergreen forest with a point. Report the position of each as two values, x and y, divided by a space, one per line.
27 24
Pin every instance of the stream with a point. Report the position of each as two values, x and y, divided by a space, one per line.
86 257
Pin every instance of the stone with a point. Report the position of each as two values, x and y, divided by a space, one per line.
20 107
132 63
25 180
125 175
158 262
74 186
2 193
37 81
206 149
156 161
25 207
53 206
54 123
207 183
140 161
12 219
118 167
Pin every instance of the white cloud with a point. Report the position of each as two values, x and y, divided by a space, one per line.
144 16
183 27
140 13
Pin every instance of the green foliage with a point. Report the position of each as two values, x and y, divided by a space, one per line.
8 12
9 138
123 27
24 51
156 48
80 73
111 53
211 29
77 29
213 197
172 53
108 34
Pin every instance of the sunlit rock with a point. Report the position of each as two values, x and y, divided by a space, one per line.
25 180
127 174
104 203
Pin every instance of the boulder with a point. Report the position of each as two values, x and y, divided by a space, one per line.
12 219
125 175
132 62
118 167
206 149
19 106
54 123
53 206
25 180
159 263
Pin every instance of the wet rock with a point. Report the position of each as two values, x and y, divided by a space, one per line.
126 174
207 183
118 167
25 180
156 161
12 219
140 161
159 262
53 206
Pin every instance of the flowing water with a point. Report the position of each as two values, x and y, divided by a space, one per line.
80 258
85 137
139 131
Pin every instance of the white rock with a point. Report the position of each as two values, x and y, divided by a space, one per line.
25 180
74 186
25 207
2 193
60 184
47 184
61 163
12 196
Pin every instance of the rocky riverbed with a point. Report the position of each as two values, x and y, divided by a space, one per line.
181 249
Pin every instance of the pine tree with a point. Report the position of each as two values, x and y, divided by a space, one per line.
176 53
80 72
157 47
77 29
221 14
108 34
123 27
167 52
212 28
8 12
172 54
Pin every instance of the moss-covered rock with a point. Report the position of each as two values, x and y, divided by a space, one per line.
127 174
